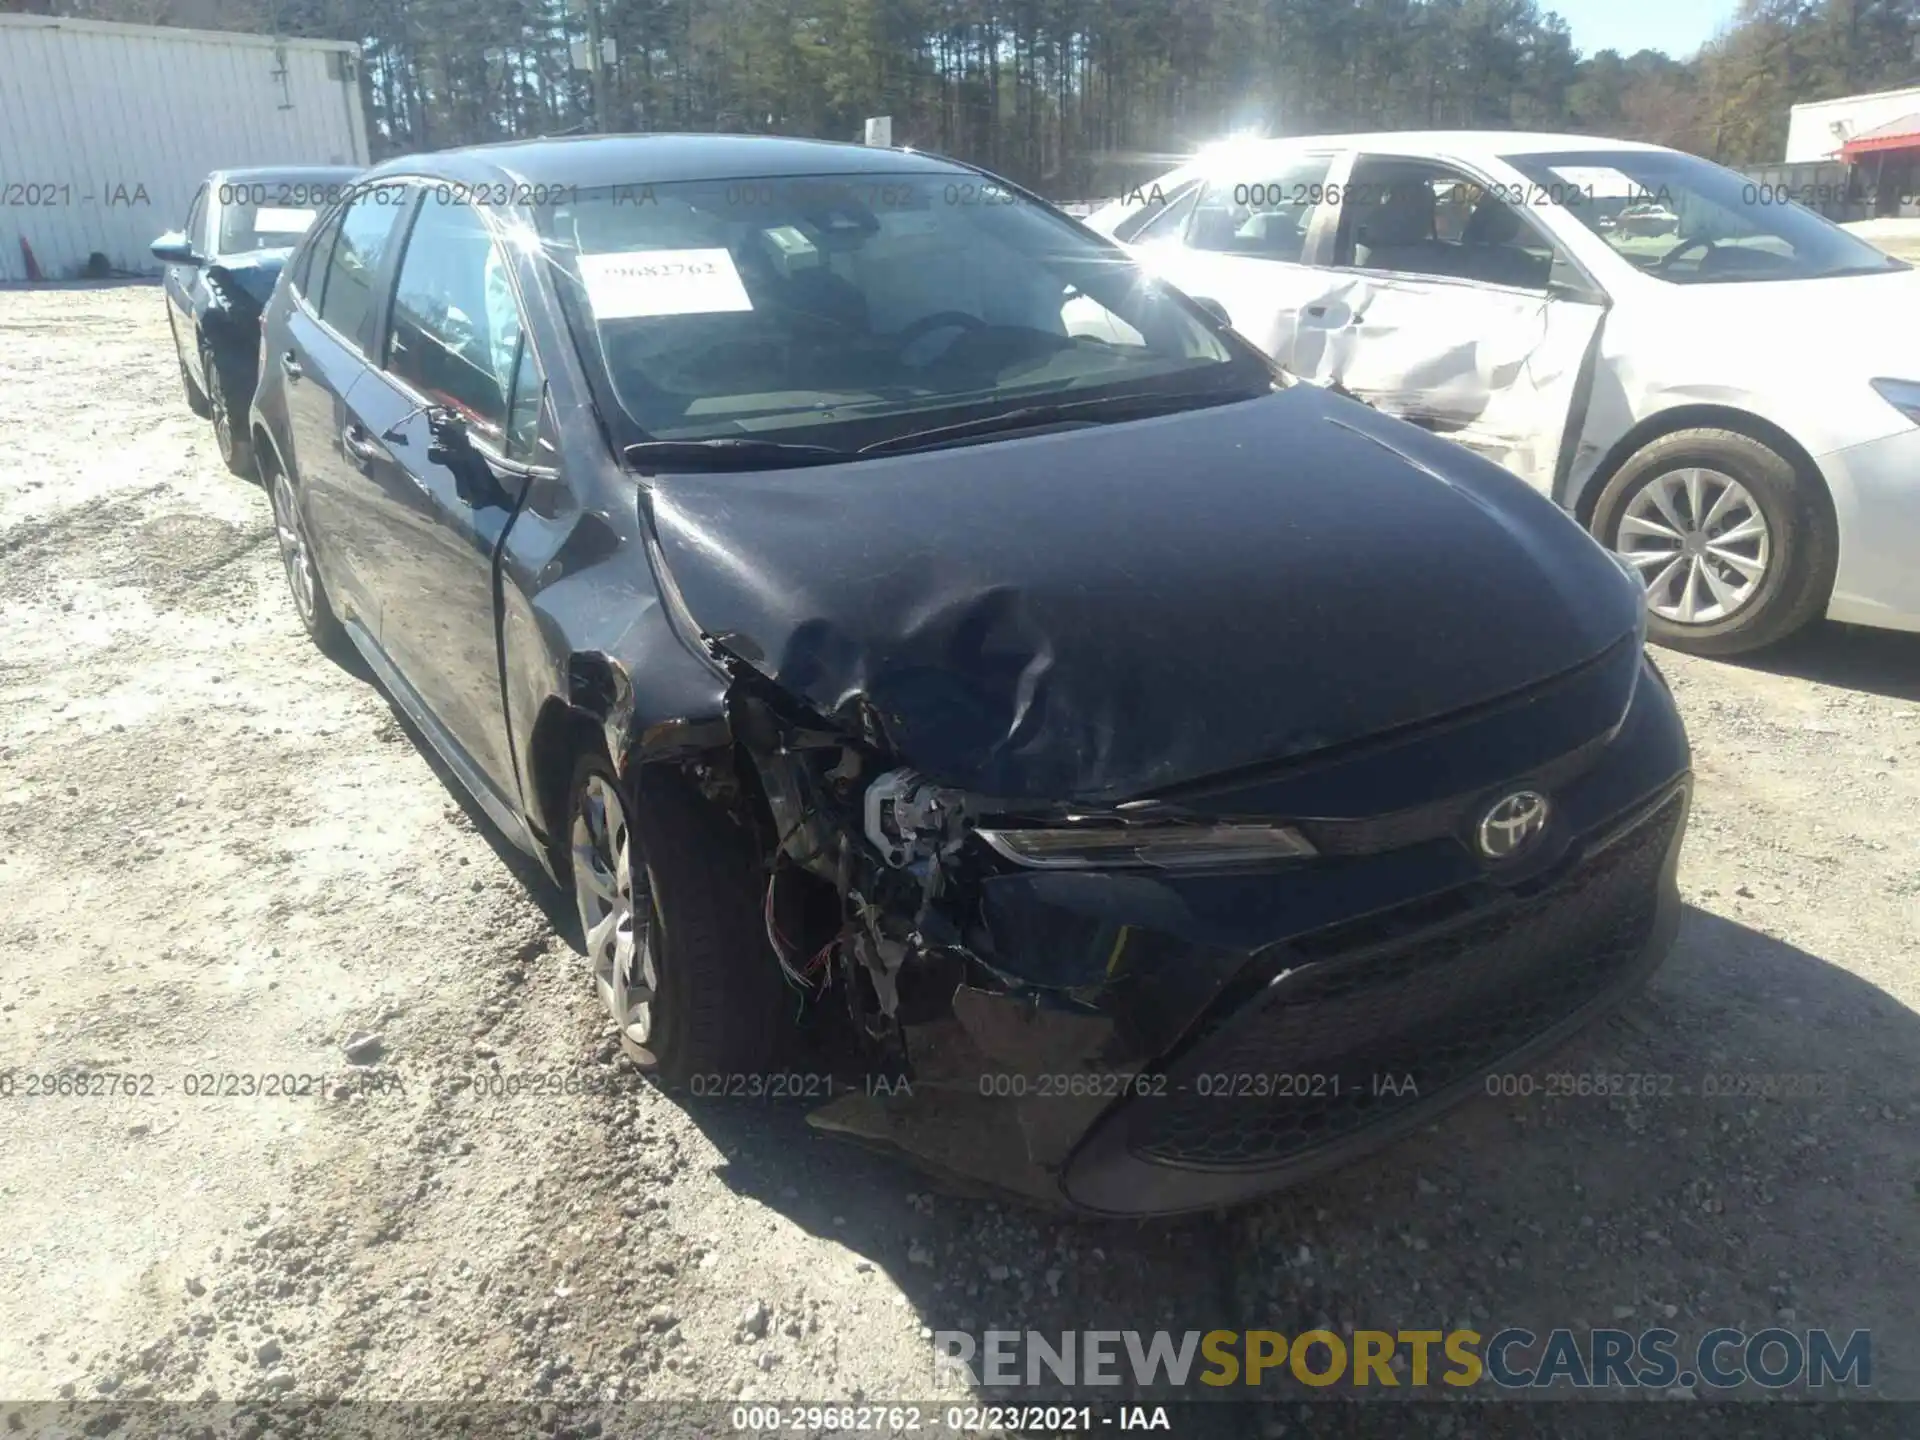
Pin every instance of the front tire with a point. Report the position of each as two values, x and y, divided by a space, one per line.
196 397
1738 548
227 408
668 899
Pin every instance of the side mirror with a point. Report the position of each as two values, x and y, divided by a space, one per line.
1566 283
1215 309
172 249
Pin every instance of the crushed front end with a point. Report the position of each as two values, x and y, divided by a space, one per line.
1193 996
238 289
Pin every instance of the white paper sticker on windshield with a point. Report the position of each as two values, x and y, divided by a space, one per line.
281 220
1599 182
635 283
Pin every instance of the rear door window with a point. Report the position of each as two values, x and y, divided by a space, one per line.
1263 211
358 259
310 266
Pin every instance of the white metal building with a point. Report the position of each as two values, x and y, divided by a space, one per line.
1876 136
1821 129
106 130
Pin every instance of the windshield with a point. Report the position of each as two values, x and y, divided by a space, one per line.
1691 222
844 309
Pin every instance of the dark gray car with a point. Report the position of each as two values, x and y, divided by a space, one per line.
964 684
220 271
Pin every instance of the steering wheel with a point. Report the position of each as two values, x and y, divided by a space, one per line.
1684 247
939 320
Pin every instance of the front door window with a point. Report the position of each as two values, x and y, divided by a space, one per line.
1421 217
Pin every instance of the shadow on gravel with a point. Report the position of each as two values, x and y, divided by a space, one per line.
555 904
1737 1147
1752 1153
1880 662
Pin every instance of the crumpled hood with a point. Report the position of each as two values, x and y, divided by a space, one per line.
1093 614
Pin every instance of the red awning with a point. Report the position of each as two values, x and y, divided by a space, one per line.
1901 134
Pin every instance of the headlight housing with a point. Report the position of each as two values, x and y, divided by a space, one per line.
1157 847
1903 395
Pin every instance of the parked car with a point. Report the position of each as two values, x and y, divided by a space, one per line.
1641 220
1724 387
961 681
220 268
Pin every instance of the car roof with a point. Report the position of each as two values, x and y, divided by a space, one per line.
268 174
588 161
287 173
1464 143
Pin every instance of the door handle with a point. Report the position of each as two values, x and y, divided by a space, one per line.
290 366
359 444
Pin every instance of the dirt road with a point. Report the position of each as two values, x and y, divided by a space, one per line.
222 856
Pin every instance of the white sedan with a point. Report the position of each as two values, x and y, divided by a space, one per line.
1729 399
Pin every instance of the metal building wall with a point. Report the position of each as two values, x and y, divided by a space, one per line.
1817 129
106 130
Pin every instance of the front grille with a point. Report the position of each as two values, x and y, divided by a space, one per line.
1303 1063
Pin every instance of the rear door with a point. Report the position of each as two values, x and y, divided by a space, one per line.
329 332
1451 306
453 340
1249 239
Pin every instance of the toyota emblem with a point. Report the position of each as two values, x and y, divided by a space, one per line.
1513 824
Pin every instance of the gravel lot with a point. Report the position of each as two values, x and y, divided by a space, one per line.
224 855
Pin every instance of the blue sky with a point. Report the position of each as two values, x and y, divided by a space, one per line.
1678 27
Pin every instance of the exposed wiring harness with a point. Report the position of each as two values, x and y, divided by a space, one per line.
817 972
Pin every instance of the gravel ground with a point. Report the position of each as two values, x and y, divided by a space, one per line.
224 855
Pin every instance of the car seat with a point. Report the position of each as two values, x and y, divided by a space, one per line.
1490 248
1397 232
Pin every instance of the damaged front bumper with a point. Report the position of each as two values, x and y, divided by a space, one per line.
1135 1041
1380 1023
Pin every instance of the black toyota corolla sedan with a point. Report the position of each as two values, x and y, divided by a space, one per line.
962 682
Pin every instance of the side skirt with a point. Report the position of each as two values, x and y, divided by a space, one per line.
505 817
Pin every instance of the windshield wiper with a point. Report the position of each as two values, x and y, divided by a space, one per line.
1024 417
730 453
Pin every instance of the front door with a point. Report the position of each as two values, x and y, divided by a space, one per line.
1453 309
453 342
